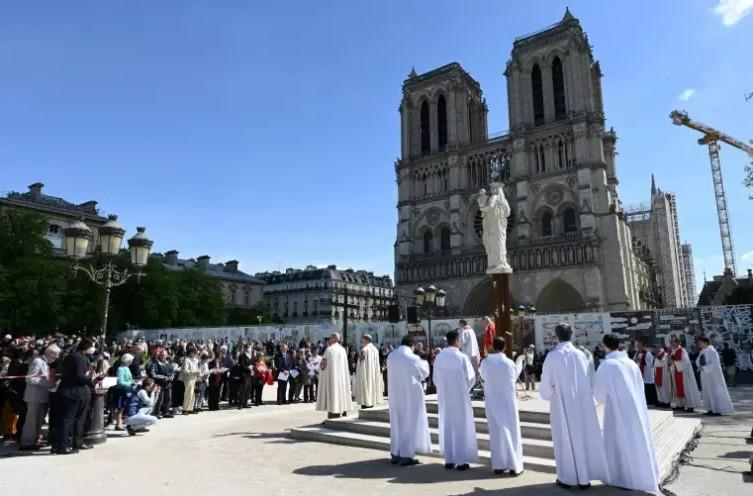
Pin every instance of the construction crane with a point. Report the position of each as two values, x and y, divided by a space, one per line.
711 137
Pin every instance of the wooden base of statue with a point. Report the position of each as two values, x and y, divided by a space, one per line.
502 304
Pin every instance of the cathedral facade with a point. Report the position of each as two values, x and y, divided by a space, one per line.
568 242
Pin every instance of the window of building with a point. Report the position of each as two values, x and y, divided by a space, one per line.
445 240
546 224
537 92
569 221
558 86
442 122
54 229
561 156
425 134
428 241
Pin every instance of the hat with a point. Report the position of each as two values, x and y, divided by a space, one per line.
532 346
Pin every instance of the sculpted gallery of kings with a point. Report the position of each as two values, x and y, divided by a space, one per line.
568 242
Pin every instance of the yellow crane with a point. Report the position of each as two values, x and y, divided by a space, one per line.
711 138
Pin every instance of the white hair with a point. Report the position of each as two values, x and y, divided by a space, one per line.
53 349
335 336
126 359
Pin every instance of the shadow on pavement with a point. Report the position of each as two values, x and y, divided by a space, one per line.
435 473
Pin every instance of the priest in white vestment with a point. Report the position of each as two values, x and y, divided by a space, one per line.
661 377
501 403
369 382
715 394
685 394
454 377
469 343
409 425
578 444
628 439
334 396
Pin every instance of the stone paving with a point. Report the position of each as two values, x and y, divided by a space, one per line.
243 452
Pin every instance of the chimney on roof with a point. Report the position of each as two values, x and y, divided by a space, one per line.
332 267
231 266
171 257
90 207
35 190
203 262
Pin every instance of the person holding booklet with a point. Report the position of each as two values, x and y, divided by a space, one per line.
283 365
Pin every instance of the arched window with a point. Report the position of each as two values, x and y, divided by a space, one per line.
546 224
561 157
445 240
537 92
442 122
542 159
428 241
558 86
425 135
569 222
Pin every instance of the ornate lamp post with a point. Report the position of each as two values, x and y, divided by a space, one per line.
427 299
77 238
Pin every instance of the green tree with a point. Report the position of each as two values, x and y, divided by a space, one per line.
29 276
250 316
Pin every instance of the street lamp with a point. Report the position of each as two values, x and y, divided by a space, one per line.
77 238
427 299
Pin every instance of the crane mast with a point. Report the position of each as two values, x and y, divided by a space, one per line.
711 138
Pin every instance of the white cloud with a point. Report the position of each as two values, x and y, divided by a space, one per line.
731 11
747 257
687 94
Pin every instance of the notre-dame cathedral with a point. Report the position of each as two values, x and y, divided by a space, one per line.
568 241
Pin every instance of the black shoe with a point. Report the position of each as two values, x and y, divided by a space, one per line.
449 466
131 432
717 414
67 451
84 446
394 459
562 484
462 467
500 472
31 447
407 462
168 416
513 473
583 487
689 410
709 413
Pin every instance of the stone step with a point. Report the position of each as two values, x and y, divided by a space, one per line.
531 430
671 440
532 447
532 416
348 438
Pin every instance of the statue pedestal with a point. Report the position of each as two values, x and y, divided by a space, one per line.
502 304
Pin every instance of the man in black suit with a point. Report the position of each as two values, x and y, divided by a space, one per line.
283 363
246 362
73 395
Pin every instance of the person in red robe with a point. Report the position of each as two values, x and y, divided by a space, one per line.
490 332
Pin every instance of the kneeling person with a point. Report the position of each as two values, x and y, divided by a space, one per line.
501 403
139 409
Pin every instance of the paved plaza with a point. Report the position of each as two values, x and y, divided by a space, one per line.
242 452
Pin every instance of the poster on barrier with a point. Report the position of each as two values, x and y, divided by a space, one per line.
588 329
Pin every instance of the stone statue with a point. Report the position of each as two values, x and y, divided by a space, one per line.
495 210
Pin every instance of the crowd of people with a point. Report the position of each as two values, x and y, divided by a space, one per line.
53 378
50 380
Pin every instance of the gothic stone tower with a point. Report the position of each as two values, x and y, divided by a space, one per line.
568 242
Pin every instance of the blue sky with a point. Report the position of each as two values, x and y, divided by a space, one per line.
267 131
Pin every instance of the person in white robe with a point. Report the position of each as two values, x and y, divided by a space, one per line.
685 394
577 438
501 403
469 343
409 425
454 377
369 382
715 393
334 395
628 439
590 365
644 359
661 377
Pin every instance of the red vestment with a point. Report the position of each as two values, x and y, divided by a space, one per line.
659 375
489 334
679 379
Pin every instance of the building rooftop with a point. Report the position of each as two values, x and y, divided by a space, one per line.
35 199
717 289
331 272
227 271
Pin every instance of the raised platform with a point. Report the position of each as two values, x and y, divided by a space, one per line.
371 429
